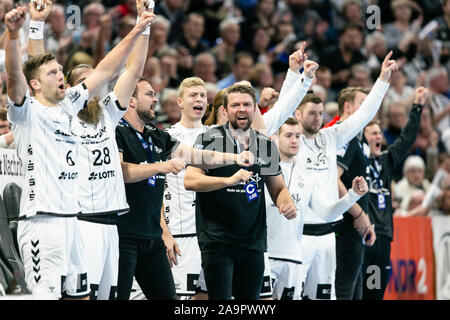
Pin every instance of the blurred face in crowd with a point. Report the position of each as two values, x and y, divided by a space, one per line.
195 27
289 140
415 176
261 40
397 115
145 101
359 79
398 79
379 47
353 13
425 120
57 20
240 110
323 78
310 117
174 4
266 7
169 65
4 127
159 33
351 39
205 68
193 102
440 82
374 138
171 109
93 15
231 34
402 12
243 69
298 5
283 30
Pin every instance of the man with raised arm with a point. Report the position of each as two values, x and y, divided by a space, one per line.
48 232
317 157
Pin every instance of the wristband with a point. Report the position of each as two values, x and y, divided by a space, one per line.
36 30
147 31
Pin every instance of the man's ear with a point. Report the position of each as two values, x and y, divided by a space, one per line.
297 114
35 84
180 103
133 103
68 86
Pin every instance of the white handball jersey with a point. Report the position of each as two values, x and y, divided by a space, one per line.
49 151
318 156
179 203
284 236
101 185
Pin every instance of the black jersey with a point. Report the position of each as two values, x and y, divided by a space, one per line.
227 216
143 197
382 166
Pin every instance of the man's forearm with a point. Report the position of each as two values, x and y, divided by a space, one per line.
284 197
200 182
137 172
35 47
16 82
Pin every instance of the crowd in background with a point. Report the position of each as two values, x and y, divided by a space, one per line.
227 41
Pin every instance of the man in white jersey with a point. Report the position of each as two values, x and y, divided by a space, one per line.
179 204
317 157
48 232
101 191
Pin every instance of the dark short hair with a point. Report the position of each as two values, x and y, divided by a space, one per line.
3 114
310 97
290 122
32 65
239 88
350 26
135 92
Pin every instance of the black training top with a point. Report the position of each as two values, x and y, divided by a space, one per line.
145 200
351 158
383 165
226 216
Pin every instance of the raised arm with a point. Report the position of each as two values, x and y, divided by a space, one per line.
16 83
356 122
398 150
39 11
136 61
108 68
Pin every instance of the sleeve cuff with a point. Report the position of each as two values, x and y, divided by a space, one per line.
353 196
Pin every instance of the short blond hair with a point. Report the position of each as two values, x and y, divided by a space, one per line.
189 83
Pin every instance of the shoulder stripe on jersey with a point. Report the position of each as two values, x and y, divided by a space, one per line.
119 106
84 86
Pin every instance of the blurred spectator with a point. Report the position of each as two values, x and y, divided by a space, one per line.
205 67
396 119
264 15
341 59
158 36
125 9
413 179
6 135
168 60
438 86
190 44
351 12
171 112
359 76
225 51
321 93
172 10
399 90
259 45
443 203
401 32
211 91
376 49
304 19
58 39
260 78
241 70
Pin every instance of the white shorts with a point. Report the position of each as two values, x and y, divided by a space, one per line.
319 266
187 271
101 247
52 253
286 279
266 289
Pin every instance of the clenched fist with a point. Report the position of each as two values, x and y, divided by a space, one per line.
288 210
360 186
